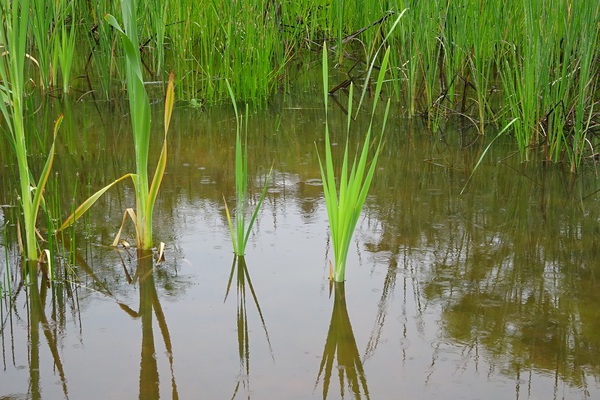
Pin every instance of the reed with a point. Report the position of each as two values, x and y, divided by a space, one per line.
65 41
240 228
344 203
100 67
139 106
43 35
13 39
487 61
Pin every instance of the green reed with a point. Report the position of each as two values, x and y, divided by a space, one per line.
13 40
139 107
240 229
42 32
344 202
488 62
65 42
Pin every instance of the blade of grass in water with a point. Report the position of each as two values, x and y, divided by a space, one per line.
238 228
139 106
13 36
344 203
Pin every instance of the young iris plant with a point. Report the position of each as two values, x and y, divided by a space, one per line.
344 205
139 105
13 54
240 233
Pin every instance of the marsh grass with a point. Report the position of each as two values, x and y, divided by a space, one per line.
239 227
12 107
139 107
43 34
346 191
65 41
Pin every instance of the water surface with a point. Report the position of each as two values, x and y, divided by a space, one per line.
489 294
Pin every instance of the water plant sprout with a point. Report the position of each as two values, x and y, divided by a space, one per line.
240 233
139 106
344 203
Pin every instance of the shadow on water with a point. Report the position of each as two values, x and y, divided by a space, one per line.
341 344
239 269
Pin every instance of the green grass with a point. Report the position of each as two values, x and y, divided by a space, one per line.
12 108
489 62
65 42
239 227
146 192
345 192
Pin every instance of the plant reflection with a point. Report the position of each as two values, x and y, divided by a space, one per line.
36 293
149 305
243 282
515 282
341 343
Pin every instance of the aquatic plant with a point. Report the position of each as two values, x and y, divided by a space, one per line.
139 107
344 204
13 41
42 33
65 42
239 230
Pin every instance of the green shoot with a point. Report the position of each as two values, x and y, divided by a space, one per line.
239 230
139 106
344 204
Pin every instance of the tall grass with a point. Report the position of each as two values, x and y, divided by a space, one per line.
139 107
13 40
344 202
239 227
488 62
65 41
42 31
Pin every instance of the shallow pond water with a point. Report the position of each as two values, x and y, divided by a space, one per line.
489 294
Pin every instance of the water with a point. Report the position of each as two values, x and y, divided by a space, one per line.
489 294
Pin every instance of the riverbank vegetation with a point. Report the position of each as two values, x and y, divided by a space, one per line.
485 62
482 65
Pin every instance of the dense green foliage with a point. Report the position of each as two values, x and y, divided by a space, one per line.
489 62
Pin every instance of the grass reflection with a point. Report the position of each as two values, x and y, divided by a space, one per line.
149 306
39 324
239 269
341 343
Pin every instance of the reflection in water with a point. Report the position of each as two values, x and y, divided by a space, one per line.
149 304
36 293
341 343
503 278
515 284
240 270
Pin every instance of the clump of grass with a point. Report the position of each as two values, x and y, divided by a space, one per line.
344 203
139 107
240 229
13 46
65 42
